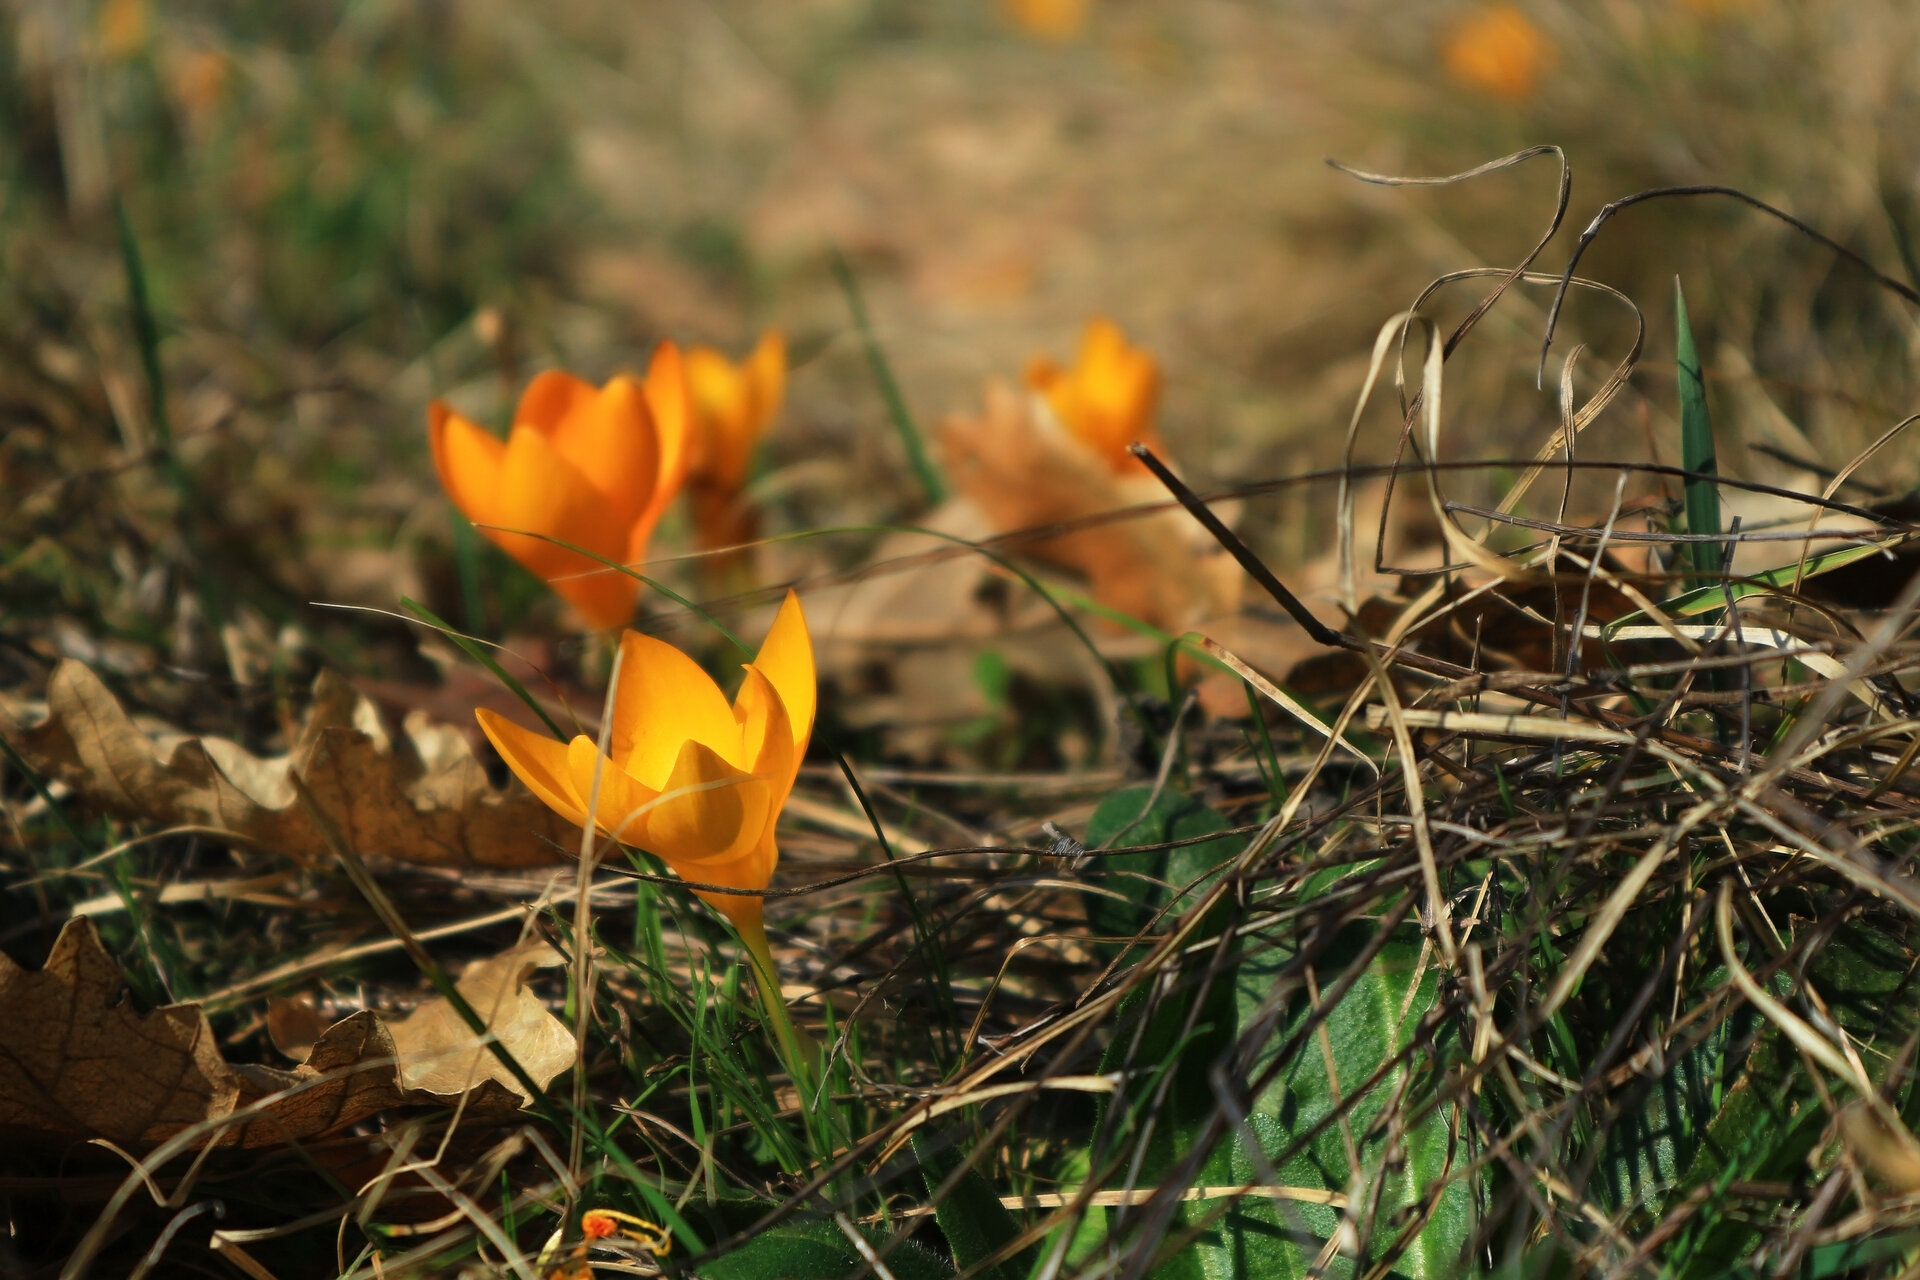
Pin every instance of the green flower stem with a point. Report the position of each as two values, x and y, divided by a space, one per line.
796 1047
798 1050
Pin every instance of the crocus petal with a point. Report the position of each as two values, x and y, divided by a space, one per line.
612 444
733 406
1107 399
469 459
666 394
752 870
723 405
709 814
542 493
786 658
1117 385
769 747
665 699
1043 374
538 761
1101 345
766 371
552 401
622 801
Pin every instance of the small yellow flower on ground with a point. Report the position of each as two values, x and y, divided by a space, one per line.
690 779
1498 51
733 405
592 467
1107 399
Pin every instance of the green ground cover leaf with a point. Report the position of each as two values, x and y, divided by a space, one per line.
1770 1121
1649 1152
1424 1212
976 1224
1131 887
1172 1044
820 1251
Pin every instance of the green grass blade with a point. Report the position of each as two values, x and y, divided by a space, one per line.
466 563
637 576
146 335
1715 596
1696 447
479 654
926 939
929 475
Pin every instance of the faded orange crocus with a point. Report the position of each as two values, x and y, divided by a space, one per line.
1498 51
1108 397
1048 19
733 405
592 467
690 779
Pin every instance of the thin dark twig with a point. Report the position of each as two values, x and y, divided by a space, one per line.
1607 212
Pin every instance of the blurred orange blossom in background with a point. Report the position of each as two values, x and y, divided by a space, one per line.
1056 453
1048 19
692 780
1497 50
733 405
595 468
1107 399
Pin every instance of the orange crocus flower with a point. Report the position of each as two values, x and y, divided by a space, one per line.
1498 51
1107 398
1048 19
593 467
733 405
696 782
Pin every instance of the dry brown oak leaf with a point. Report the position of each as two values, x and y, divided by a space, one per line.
417 796
440 1055
78 1062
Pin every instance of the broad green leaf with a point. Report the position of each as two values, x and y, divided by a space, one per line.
1171 1044
1183 1036
1179 1040
820 1251
1085 1233
1133 886
1770 1120
1372 1024
976 1224
1696 447
1647 1151
1847 1257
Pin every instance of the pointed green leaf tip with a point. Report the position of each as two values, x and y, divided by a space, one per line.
1696 446
977 1226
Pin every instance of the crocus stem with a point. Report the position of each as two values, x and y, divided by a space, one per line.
799 1050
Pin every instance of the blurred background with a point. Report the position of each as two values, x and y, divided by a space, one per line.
343 208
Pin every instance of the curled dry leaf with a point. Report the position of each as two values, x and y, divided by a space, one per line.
1883 1145
77 1061
419 796
901 642
439 1052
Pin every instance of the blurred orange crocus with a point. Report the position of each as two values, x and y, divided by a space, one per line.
733 405
1048 19
591 467
696 782
1107 399
1497 50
